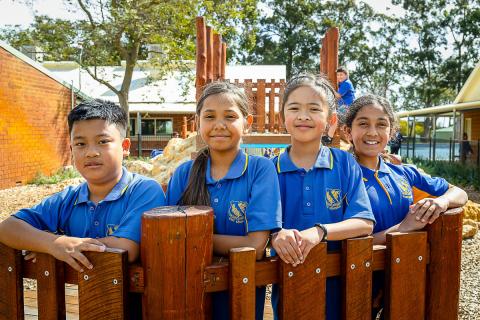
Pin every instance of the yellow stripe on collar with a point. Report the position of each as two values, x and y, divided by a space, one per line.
365 179
246 164
331 160
124 189
383 187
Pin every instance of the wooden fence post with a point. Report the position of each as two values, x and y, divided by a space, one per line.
50 287
242 283
304 285
271 107
201 55
357 268
281 124
260 106
11 284
443 275
405 273
217 56
224 61
102 291
176 247
209 55
183 134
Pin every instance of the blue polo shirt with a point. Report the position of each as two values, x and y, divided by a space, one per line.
247 199
390 189
70 212
332 191
346 90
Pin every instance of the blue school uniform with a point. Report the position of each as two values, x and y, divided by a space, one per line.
332 191
346 90
390 189
70 212
247 199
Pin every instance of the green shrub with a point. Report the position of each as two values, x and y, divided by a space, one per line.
454 172
60 175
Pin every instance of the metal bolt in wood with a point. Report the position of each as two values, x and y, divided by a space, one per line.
47 273
367 264
317 270
290 274
420 258
352 266
85 277
245 280
10 269
397 260
115 281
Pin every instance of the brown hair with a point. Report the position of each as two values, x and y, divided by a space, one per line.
196 192
344 70
319 83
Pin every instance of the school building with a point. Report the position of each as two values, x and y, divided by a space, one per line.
157 105
437 133
34 105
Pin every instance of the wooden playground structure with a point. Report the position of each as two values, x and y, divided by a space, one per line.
177 273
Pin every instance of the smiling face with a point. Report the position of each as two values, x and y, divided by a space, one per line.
98 149
221 123
370 132
341 76
306 115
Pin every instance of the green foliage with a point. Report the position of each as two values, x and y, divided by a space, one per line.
59 176
454 172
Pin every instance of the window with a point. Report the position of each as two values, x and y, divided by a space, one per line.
164 127
133 125
148 127
152 127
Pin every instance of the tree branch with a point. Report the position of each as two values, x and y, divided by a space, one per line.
87 12
104 82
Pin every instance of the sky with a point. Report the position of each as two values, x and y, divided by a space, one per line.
22 12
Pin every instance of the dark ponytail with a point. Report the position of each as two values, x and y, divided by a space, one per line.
196 192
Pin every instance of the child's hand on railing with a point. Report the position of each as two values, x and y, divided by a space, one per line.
310 238
286 243
410 223
69 249
428 210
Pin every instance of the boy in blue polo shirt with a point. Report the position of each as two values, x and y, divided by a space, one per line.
105 211
345 96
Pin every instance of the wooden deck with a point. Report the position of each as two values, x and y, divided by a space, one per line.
71 303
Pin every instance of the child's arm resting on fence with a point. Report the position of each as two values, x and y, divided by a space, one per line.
257 240
18 234
286 243
350 228
122 243
429 209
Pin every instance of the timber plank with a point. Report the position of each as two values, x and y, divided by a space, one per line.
405 275
242 283
50 287
11 283
304 285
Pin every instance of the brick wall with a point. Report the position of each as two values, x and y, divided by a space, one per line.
33 122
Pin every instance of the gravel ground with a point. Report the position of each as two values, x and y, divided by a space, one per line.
16 198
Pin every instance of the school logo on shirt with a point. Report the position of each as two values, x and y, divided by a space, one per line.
237 211
333 199
405 188
111 228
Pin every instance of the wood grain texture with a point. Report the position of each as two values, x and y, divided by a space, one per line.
260 106
443 272
357 278
405 273
242 283
102 290
11 284
303 288
50 287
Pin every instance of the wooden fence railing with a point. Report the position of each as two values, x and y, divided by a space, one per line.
176 275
